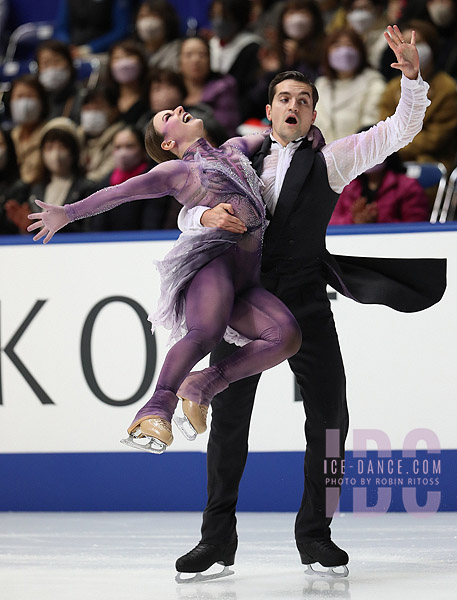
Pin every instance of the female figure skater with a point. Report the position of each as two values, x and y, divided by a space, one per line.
209 281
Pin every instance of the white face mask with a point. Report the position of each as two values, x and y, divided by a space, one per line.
3 157
297 26
25 110
149 28
425 54
361 20
57 161
441 14
54 79
94 122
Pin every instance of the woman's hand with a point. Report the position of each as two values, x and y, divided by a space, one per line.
407 55
50 220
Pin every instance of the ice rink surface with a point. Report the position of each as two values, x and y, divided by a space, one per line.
120 556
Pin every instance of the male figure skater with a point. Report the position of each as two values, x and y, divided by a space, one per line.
301 190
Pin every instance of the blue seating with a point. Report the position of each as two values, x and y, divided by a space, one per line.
429 175
25 38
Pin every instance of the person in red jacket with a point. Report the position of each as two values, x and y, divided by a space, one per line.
383 194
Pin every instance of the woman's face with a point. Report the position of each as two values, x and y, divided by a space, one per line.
57 157
178 125
194 59
343 40
127 151
162 95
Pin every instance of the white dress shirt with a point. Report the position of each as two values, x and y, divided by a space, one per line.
345 158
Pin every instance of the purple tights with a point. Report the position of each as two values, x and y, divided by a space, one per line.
212 303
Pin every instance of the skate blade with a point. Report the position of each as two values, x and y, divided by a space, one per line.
321 571
185 427
153 445
205 576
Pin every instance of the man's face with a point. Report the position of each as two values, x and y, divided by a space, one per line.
291 113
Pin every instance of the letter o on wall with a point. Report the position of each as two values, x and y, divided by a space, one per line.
86 353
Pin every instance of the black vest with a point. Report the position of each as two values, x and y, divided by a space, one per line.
296 233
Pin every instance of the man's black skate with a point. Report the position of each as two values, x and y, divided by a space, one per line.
203 557
327 554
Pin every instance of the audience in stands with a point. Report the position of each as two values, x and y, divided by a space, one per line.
383 194
437 139
130 159
92 26
127 75
57 75
150 61
99 124
233 48
157 26
28 108
9 177
349 90
62 181
219 92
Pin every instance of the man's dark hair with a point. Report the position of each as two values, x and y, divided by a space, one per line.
295 76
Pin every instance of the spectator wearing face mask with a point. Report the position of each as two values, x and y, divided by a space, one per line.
58 77
383 194
92 26
157 26
28 107
296 44
130 159
127 74
349 90
9 177
99 124
436 141
62 181
233 48
217 91
368 18
443 15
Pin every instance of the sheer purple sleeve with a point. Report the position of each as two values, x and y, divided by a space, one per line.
168 178
248 144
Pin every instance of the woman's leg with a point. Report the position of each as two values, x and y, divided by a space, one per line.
263 318
209 304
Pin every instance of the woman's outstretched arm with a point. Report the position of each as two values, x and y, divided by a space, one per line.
165 179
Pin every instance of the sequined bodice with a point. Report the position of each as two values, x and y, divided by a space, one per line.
225 175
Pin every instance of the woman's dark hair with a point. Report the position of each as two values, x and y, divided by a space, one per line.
295 76
134 131
69 141
236 11
356 41
106 93
133 49
60 48
166 11
32 82
10 172
169 77
153 140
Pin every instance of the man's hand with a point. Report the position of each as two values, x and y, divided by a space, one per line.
407 55
221 216
363 212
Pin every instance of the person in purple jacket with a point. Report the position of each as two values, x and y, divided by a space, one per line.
203 85
210 280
